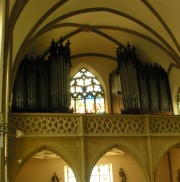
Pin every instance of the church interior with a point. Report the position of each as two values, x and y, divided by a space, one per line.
90 91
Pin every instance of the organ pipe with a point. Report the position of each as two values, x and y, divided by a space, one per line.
144 88
44 85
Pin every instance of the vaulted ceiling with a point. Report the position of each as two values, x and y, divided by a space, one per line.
96 28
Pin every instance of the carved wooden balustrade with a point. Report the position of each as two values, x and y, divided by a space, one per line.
93 125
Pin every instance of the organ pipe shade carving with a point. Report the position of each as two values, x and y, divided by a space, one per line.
44 85
144 88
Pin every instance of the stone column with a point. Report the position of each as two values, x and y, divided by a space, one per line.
2 35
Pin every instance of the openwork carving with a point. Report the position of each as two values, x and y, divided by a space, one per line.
92 124
165 125
114 125
45 124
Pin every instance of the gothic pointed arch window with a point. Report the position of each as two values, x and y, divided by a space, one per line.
87 95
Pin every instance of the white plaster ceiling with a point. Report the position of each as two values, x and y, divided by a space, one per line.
46 154
96 28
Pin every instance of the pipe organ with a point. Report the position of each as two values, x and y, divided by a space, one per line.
60 76
44 85
142 88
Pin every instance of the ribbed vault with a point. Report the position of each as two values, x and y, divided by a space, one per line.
96 29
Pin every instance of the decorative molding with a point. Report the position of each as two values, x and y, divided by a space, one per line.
93 125
45 124
164 125
114 125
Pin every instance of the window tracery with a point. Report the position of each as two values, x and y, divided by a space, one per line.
87 95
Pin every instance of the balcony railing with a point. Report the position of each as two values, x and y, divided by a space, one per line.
33 124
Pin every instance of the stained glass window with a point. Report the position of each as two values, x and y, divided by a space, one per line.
87 95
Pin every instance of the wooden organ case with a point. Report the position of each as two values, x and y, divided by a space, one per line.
44 85
136 88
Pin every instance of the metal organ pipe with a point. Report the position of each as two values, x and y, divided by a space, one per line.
44 85
143 87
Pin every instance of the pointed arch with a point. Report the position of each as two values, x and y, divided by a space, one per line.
92 70
63 154
87 93
125 149
168 162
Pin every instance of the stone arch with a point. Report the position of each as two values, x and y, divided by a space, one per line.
124 148
92 70
164 152
64 154
96 74
166 148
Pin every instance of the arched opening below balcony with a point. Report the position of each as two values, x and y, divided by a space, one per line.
43 166
117 165
169 165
